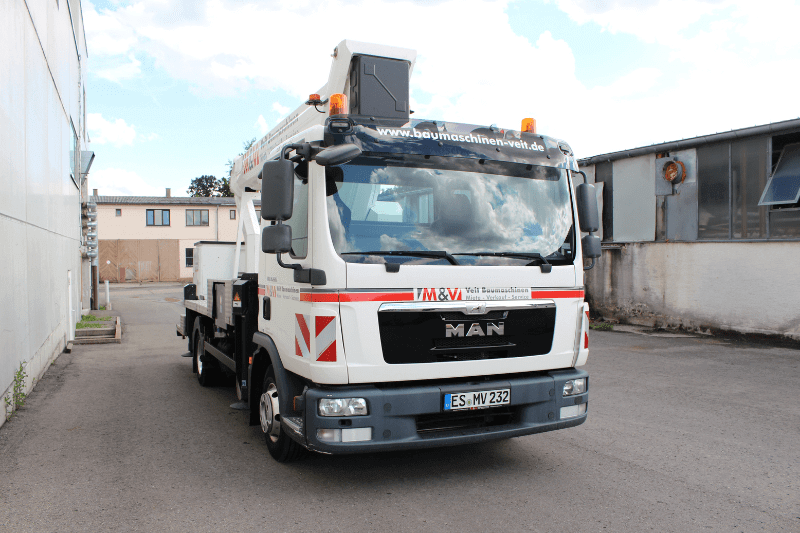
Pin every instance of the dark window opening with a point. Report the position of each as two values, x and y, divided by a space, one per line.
189 257
713 202
233 214
748 177
119 212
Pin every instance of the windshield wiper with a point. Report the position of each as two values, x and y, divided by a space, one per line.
413 253
538 259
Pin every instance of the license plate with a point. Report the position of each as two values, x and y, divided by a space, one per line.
476 399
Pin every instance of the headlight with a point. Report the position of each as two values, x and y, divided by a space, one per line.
574 386
343 407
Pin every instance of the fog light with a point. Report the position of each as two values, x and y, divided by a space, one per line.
574 386
329 435
572 411
343 407
344 435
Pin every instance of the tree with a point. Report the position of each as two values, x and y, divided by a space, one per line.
224 187
205 186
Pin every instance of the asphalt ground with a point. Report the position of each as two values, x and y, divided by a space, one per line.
684 434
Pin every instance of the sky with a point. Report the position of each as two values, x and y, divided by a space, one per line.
175 88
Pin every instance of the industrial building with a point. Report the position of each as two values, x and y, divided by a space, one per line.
702 233
44 268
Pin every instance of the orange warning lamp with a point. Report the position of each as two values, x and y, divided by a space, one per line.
338 104
528 125
314 99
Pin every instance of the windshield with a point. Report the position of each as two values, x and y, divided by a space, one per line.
451 205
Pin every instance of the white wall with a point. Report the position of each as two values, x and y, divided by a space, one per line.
40 204
748 287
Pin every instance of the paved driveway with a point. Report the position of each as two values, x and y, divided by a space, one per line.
684 434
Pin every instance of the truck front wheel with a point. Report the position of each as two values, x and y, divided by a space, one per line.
280 445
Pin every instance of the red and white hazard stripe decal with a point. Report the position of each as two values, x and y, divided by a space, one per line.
324 334
302 337
325 327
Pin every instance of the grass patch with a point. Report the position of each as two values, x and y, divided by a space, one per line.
85 325
92 318
91 321
602 326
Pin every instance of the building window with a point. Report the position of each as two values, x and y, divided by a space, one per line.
714 216
189 257
233 214
119 212
158 217
783 187
197 217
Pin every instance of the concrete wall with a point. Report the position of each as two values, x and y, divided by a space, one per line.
748 287
41 89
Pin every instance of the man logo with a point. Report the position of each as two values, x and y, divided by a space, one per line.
475 330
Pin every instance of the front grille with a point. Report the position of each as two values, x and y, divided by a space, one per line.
422 336
469 342
472 355
460 420
458 315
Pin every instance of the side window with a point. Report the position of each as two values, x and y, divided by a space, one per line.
157 217
233 214
189 257
299 220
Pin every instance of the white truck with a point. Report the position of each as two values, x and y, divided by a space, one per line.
408 284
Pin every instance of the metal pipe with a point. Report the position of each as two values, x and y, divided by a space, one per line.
108 298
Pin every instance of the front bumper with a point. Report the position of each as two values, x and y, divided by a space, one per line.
408 416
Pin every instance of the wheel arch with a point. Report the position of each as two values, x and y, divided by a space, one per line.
289 384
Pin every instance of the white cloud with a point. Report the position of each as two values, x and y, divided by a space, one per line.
261 125
282 110
726 59
103 131
117 70
119 182
150 137
106 33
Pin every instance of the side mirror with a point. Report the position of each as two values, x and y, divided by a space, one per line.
277 239
586 197
277 190
591 246
338 155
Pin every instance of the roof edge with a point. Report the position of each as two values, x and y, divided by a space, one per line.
693 142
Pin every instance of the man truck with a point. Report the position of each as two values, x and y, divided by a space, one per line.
407 283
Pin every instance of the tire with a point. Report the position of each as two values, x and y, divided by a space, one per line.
281 447
205 365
